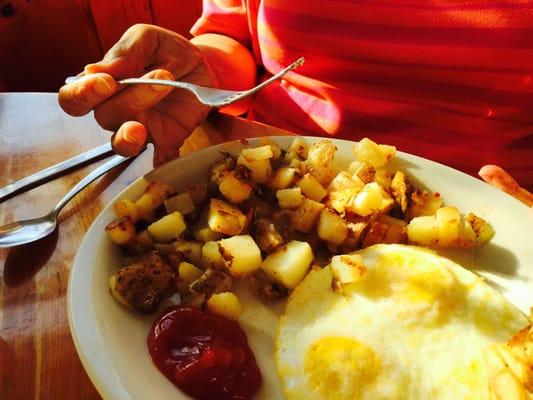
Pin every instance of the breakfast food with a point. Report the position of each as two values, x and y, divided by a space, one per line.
271 219
266 216
409 324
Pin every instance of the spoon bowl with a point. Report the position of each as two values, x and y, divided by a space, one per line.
26 231
30 230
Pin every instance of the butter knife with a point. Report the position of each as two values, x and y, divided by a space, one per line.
54 171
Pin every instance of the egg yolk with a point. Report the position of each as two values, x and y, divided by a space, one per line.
341 368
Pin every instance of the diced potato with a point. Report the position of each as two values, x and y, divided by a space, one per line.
299 165
261 170
424 203
368 201
447 219
367 173
401 191
198 192
153 196
127 208
375 234
331 227
233 189
342 190
356 232
266 235
289 264
182 202
211 256
289 198
282 178
225 218
467 235
320 160
168 227
348 268
311 187
225 304
300 147
423 230
376 154
241 255
305 217
187 274
396 229
211 281
383 178
121 231
483 230
257 153
191 251
290 156
354 167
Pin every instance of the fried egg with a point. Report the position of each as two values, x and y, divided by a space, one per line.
415 326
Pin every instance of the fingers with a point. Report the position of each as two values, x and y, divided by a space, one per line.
132 102
498 177
82 96
130 139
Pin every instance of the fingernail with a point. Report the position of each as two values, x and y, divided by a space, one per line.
131 137
102 87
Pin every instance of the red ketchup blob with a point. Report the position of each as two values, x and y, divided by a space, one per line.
204 355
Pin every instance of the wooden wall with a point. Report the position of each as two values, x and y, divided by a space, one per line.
43 41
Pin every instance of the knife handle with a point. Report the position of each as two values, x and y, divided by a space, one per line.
54 171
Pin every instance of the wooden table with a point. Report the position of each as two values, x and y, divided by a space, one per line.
37 355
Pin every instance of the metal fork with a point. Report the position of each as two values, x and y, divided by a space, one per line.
208 96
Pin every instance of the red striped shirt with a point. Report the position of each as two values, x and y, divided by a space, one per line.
448 80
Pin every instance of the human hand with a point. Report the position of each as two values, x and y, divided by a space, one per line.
499 178
143 112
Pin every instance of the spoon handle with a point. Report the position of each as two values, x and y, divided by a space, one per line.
102 169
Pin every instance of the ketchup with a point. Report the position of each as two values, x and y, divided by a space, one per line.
204 355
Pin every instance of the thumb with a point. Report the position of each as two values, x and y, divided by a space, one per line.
130 139
499 178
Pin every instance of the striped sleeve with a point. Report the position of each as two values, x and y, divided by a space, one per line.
226 17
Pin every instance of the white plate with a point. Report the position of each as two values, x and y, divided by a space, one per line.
111 339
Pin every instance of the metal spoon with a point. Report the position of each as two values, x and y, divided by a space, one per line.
30 230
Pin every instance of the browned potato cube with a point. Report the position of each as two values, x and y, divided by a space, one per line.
401 190
153 196
367 173
305 217
266 235
311 187
289 198
320 160
282 178
126 208
225 218
121 231
332 227
424 203
233 189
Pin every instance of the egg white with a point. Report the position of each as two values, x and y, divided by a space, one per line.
414 327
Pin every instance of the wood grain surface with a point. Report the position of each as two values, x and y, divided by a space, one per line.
37 355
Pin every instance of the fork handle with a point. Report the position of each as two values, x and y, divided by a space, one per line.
164 82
